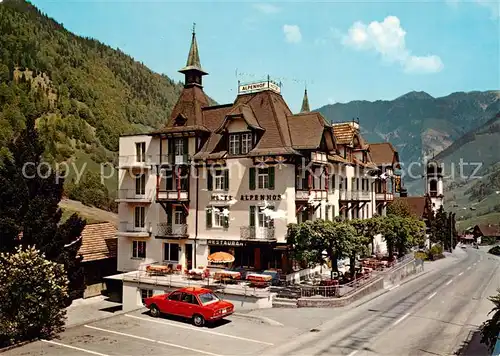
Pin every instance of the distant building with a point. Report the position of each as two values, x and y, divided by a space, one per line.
98 249
486 230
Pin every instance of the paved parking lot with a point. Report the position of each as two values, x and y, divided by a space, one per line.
137 333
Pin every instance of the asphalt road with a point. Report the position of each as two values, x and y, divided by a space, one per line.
431 315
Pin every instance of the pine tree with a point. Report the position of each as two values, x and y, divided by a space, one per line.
30 194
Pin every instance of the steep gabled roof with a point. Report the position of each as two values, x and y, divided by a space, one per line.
244 112
383 153
344 133
489 229
307 129
419 206
98 242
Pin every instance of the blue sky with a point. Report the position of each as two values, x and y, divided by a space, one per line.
343 50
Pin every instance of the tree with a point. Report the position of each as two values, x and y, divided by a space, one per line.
33 292
441 228
490 329
30 213
401 233
399 208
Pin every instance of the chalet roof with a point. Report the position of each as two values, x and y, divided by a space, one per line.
306 129
344 132
98 242
418 205
383 153
489 229
243 111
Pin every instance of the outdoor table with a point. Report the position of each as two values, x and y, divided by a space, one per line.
259 279
159 270
227 276
197 273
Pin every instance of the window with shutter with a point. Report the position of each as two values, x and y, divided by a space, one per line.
209 180
226 179
208 212
252 215
271 177
251 177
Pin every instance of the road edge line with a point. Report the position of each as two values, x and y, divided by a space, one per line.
263 319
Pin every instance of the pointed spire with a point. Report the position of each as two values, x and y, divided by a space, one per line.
193 70
305 102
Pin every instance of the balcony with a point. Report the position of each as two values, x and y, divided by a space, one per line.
171 159
172 195
135 161
130 229
257 233
384 196
131 196
361 195
172 231
311 195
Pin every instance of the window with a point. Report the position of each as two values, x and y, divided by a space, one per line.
175 296
208 298
246 143
217 217
264 219
140 184
219 180
327 212
263 178
341 184
139 216
179 147
171 252
146 293
189 298
139 249
332 182
140 151
234 144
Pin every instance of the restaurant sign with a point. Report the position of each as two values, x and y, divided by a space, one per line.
260 86
231 243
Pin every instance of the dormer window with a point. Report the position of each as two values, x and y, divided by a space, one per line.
240 143
180 120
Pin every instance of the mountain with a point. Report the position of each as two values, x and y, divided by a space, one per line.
83 93
418 124
472 187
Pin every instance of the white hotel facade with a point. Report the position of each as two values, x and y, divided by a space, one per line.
232 177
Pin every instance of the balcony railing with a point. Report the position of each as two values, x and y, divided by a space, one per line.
172 195
384 196
169 230
360 195
257 233
313 194
132 194
171 159
126 226
131 161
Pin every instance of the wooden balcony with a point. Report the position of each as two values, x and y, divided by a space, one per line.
384 196
172 195
312 194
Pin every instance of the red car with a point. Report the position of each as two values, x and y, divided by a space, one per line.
198 304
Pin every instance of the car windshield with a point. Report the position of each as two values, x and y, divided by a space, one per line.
208 298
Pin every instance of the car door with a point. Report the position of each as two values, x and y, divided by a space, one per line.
189 305
171 303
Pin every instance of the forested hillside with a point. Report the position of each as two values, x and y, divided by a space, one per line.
83 92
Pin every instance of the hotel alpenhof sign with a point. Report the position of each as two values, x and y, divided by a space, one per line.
253 197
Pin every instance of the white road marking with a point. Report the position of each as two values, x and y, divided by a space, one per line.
468 268
431 296
353 353
447 283
74 347
151 340
394 287
460 273
199 329
401 319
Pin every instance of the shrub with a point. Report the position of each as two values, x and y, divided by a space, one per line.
33 292
495 250
420 255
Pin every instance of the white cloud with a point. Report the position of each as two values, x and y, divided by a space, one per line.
292 33
267 8
387 38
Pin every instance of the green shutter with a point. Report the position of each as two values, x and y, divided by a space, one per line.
225 221
251 176
209 179
252 215
226 179
208 212
271 177
169 215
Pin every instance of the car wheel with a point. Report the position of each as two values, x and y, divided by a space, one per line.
198 320
155 311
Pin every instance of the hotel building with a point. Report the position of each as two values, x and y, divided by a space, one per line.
232 177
